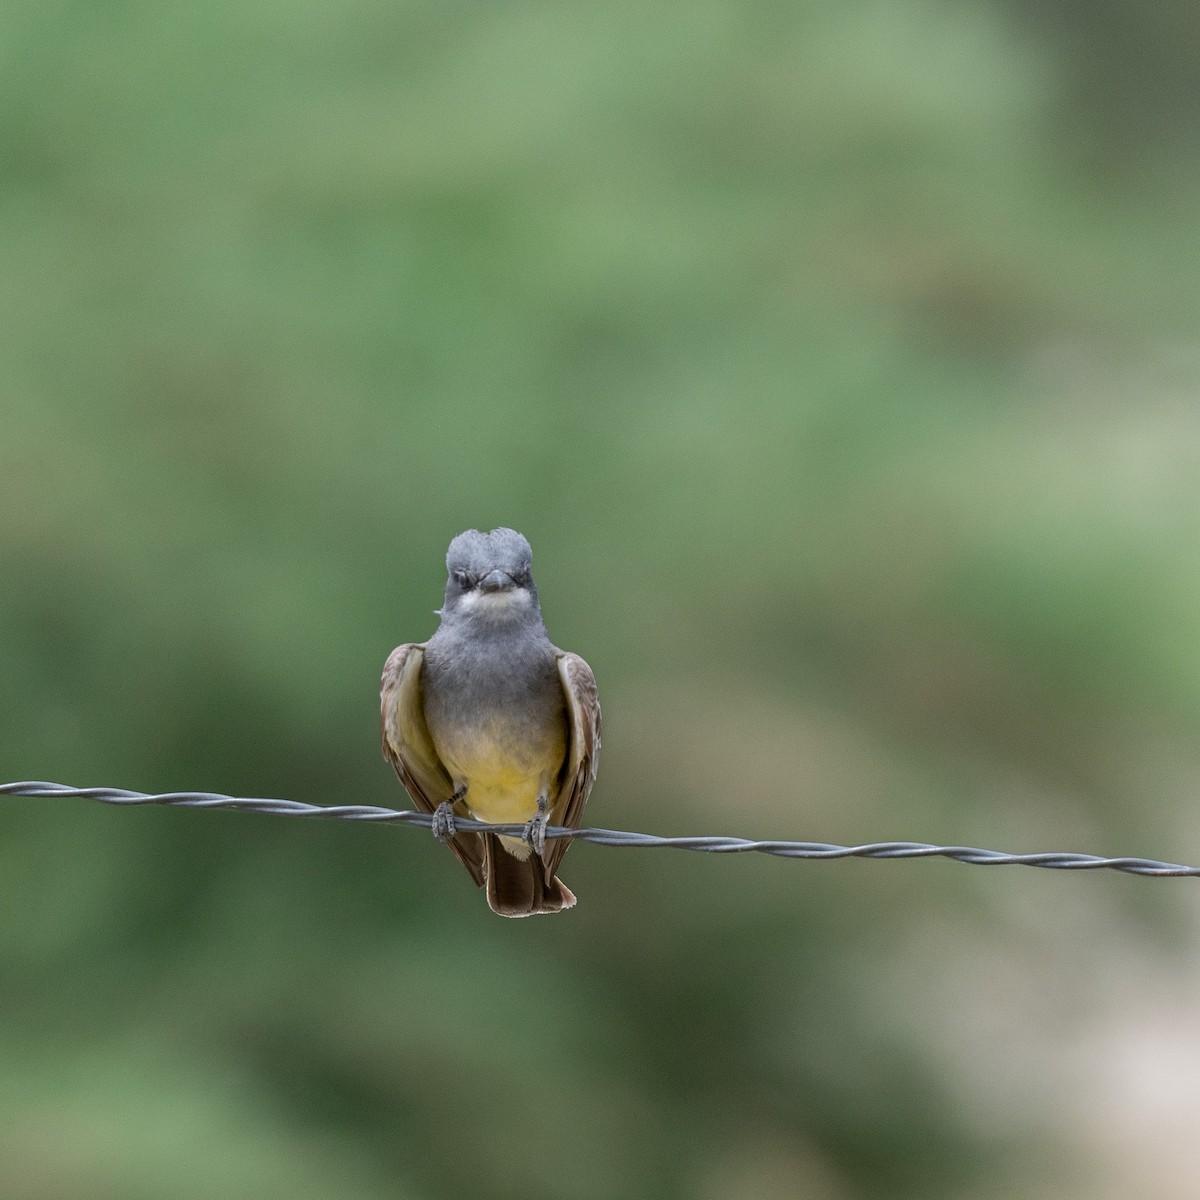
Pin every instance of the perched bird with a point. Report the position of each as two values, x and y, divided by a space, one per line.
490 719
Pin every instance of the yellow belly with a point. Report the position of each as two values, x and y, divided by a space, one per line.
503 786
504 798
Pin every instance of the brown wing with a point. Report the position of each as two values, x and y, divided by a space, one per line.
409 748
583 750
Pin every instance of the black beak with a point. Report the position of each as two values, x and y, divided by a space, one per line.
497 581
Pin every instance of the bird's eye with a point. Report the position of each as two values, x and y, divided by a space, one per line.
463 579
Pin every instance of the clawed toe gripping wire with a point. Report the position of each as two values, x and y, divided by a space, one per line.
612 837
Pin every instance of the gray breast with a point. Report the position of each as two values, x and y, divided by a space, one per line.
508 682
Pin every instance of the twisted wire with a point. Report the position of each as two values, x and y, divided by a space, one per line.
1055 860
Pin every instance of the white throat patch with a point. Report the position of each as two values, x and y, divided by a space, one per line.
495 604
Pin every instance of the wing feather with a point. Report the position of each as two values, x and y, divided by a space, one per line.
583 750
409 748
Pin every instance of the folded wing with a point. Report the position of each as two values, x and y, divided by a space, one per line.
409 748
583 751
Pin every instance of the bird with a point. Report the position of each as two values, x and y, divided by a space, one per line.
489 719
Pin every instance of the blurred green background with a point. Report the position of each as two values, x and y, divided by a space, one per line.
839 359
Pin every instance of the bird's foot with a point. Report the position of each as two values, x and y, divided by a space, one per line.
443 817
534 833
443 821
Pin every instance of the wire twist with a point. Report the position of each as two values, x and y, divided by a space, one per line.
1060 861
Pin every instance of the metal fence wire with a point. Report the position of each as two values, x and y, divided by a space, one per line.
1056 860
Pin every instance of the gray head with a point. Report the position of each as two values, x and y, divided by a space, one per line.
489 578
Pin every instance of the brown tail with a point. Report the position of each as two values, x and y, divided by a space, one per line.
517 887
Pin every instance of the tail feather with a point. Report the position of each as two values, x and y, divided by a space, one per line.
518 887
